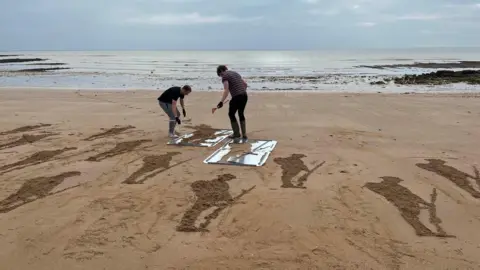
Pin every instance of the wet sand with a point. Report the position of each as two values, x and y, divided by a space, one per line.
357 181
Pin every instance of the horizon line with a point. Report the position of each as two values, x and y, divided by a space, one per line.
237 50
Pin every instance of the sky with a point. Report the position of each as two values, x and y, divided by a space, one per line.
237 25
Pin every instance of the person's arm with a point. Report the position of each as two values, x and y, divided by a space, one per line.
183 107
225 91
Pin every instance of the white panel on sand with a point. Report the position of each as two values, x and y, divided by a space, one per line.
183 140
254 153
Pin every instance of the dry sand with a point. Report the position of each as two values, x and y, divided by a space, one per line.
357 181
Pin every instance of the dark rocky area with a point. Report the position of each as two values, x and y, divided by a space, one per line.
9 55
30 62
460 64
382 82
437 78
20 60
46 64
41 69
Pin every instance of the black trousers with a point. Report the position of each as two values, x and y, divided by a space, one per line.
237 103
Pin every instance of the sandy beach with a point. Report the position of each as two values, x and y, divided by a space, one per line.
88 182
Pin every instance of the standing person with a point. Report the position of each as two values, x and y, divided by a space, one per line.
234 84
168 102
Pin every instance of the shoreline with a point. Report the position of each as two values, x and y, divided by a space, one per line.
459 72
254 92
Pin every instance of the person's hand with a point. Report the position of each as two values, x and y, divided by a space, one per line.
220 105
178 120
184 113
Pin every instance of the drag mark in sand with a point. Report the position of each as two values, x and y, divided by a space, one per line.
119 149
212 193
33 190
37 158
110 132
409 205
456 176
152 165
25 139
24 129
291 167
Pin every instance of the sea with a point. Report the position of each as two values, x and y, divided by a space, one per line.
321 70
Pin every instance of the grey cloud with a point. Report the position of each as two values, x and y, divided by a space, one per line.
247 24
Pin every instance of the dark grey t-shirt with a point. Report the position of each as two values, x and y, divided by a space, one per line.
235 82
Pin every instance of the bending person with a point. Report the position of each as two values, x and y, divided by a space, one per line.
168 102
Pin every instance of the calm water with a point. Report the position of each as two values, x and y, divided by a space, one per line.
265 70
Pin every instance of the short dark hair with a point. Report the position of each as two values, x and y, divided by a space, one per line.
221 69
187 88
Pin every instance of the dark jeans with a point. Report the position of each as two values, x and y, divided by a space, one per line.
237 103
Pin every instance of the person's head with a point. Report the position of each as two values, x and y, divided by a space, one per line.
186 90
221 69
